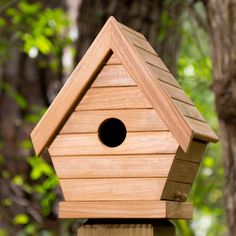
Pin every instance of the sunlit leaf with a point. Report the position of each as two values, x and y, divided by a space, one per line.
20 219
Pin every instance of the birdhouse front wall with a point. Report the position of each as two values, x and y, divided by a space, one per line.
89 168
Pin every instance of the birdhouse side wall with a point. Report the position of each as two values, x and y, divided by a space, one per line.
138 168
183 172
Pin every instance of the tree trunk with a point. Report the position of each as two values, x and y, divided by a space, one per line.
221 16
158 20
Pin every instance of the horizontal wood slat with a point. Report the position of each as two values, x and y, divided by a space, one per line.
113 75
176 93
113 60
112 189
139 42
202 130
183 171
164 76
195 153
113 98
134 143
171 189
113 166
189 110
125 209
134 120
152 59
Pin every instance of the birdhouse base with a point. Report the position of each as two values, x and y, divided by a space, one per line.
126 209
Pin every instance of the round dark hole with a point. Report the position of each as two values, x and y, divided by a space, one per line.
112 132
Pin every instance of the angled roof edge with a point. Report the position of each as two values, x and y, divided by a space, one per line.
64 102
110 38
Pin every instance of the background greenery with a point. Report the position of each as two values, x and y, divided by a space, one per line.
42 33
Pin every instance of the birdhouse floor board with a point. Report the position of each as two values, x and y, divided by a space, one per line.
125 209
164 76
172 189
113 166
134 143
113 97
195 154
112 189
134 120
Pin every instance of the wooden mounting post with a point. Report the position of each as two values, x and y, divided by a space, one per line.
135 227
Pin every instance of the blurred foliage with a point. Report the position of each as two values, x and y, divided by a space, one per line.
194 74
42 32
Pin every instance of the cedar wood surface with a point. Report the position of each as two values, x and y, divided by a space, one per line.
138 58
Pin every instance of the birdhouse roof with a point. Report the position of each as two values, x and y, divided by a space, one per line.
147 70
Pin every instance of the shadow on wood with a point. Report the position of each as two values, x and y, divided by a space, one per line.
118 227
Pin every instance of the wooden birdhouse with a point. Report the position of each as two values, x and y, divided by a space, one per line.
124 138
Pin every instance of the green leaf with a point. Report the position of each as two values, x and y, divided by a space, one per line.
20 219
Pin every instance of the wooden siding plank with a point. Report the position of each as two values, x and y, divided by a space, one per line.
152 59
164 76
183 171
113 98
113 75
125 209
134 143
139 42
112 166
113 60
202 130
72 90
176 93
133 119
112 189
195 153
171 189
189 110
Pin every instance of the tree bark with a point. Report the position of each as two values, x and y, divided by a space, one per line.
158 20
221 16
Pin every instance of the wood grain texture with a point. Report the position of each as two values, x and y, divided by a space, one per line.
202 130
135 143
112 189
183 171
126 28
189 110
117 230
112 166
112 60
134 120
163 75
113 98
176 93
125 209
171 189
45 130
150 86
195 153
139 42
113 75
152 59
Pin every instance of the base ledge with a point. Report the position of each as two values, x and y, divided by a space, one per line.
126 209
